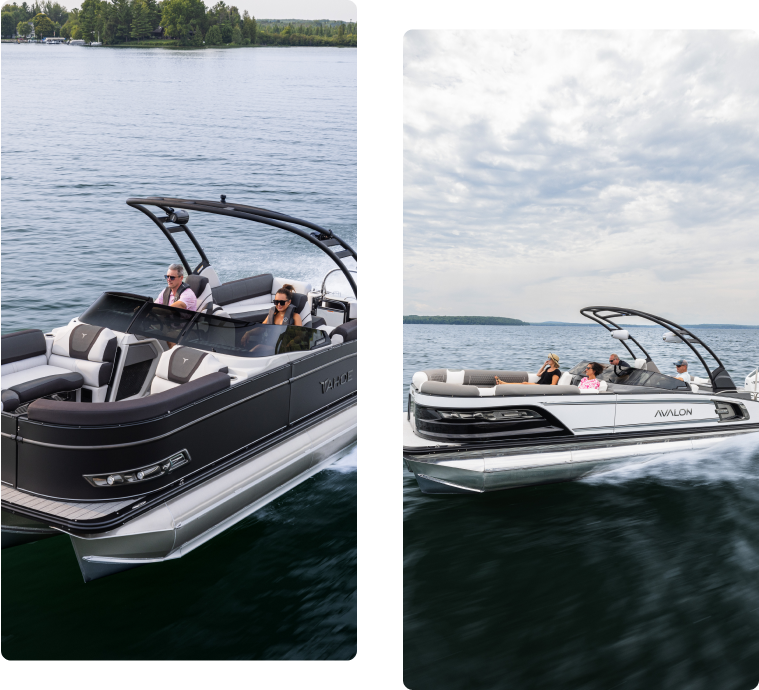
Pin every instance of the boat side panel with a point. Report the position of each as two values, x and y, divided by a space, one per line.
58 471
8 449
592 414
640 413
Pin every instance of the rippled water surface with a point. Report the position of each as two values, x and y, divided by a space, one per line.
269 127
646 577
83 130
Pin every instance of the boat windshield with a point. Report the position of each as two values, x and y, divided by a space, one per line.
632 377
246 339
140 316
114 310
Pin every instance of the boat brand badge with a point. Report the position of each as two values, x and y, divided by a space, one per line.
340 380
673 413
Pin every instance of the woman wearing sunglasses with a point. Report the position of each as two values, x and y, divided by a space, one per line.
548 375
283 312
590 380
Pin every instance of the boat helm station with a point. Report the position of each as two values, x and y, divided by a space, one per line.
143 430
464 434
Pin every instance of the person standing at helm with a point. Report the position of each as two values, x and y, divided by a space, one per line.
283 312
177 293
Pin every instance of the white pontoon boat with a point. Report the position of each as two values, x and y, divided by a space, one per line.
464 434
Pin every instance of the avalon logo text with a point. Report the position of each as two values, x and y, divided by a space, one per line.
673 413
340 380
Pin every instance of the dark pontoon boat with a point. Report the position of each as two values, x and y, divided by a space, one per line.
143 430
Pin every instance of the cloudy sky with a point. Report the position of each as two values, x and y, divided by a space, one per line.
545 172
297 9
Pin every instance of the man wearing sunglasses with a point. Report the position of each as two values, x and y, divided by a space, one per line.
619 365
176 288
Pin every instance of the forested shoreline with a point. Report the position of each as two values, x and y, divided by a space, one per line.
169 22
464 320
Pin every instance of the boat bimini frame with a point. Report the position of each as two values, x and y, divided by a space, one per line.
320 237
720 379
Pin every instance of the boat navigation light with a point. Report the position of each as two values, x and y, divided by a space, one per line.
620 335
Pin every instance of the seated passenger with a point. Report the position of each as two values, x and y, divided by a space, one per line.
283 312
175 289
549 374
591 381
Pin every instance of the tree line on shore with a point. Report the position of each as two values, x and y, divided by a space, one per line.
188 22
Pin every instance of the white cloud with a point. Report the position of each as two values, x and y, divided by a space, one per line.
548 171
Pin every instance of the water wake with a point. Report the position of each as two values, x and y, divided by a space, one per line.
346 461
735 461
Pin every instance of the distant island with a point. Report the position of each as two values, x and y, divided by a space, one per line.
464 320
503 321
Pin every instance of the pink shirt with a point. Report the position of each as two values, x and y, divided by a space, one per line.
590 383
188 297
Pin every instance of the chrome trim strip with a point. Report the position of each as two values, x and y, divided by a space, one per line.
689 421
679 401
583 402
457 486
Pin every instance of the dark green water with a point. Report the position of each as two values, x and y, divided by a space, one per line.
281 584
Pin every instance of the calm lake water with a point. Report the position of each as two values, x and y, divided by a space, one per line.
646 577
84 129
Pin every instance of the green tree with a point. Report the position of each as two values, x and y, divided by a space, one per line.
68 28
213 37
23 29
122 15
180 17
249 26
76 33
57 13
87 19
237 36
140 20
43 27
153 13
8 25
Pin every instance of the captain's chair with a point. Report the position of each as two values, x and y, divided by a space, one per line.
184 364
302 305
200 286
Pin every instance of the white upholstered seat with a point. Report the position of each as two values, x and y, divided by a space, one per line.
181 365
